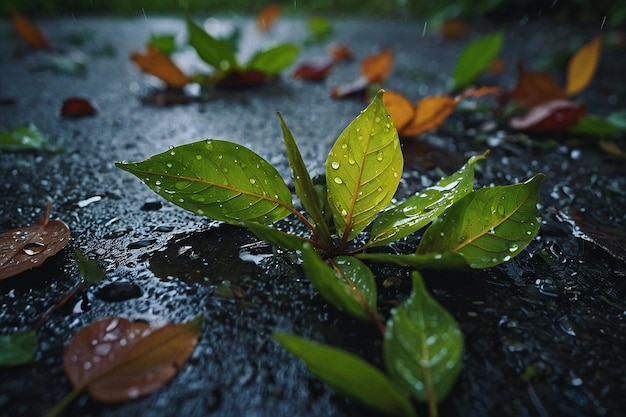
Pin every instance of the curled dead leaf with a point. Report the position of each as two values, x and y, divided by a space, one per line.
29 32
340 53
553 116
312 71
25 248
157 63
117 360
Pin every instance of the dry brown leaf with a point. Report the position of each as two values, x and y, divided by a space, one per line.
157 63
496 67
313 71
582 66
74 107
117 360
29 32
534 88
340 53
266 17
28 247
376 67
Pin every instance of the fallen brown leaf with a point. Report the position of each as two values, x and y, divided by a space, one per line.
157 63
266 17
29 32
552 116
28 247
74 107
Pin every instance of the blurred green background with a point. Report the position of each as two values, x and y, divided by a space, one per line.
611 13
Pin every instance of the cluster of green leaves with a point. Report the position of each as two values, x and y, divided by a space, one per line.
221 55
469 229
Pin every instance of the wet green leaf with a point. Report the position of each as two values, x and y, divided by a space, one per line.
475 59
89 268
18 348
272 61
275 236
349 375
419 210
217 179
488 226
423 346
215 52
353 291
447 260
363 170
305 189
25 138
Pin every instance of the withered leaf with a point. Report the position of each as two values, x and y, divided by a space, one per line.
312 71
340 53
266 17
235 80
534 88
552 116
29 32
25 248
453 29
157 63
582 66
117 360
74 107
376 67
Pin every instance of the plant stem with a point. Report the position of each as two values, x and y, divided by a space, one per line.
65 401
60 304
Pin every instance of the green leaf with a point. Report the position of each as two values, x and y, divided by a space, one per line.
363 170
215 52
23 138
305 189
447 260
349 375
166 43
419 210
319 28
475 59
89 268
217 179
272 61
18 348
423 346
594 125
488 226
353 290
275 236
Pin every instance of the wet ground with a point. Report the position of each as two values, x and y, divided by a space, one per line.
541 339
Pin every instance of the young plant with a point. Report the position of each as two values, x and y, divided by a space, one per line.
353 213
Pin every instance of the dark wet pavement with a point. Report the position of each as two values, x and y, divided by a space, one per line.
541 339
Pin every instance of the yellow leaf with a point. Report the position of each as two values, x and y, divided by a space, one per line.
582 66
399 108
29 32
155 62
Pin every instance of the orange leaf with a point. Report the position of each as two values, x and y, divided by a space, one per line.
534 88
266 17
377 67
117 360
29 32
399 108
155 62
477 92
28 247
453 29
582 66
430 112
